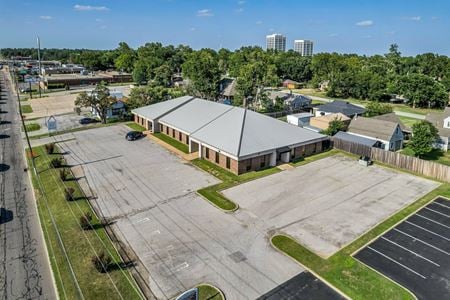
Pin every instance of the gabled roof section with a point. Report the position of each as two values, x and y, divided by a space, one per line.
355 139
392 117
157 110
437 119
339 106
374 128
194 115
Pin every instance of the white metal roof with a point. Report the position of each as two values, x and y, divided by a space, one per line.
155 111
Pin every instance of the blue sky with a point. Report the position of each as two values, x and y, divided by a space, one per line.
364 27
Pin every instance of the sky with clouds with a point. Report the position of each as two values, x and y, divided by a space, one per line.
345 26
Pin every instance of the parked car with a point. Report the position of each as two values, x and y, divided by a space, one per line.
85 121
134 135
25 90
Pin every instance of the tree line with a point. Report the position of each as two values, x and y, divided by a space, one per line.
424 80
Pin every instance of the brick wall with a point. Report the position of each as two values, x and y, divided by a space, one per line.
175 134
222 159
254 163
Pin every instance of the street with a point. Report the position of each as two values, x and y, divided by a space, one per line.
24 267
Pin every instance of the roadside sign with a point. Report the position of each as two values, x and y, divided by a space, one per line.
32 80
51 123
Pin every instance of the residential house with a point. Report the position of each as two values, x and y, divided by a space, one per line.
227 89
323 122
234 138
117 109
291 101
300 119
441 120
392 117
339 106
388 134
291 84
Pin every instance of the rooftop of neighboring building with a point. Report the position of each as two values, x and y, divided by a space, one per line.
375 128
392 117
331 117
355 139
344 107
437 119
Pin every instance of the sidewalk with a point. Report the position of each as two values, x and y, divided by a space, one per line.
185 156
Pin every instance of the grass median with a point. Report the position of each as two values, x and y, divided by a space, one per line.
173 142
136 127
346 273
213 193
26 109
208 292
79 244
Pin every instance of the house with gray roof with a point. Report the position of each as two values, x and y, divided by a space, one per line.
339 106
388 134
232 137
441 120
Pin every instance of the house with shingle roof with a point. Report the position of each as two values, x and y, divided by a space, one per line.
441 120
388 135
339 106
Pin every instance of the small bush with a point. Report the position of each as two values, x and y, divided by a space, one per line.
63 174
56 163
68 194
102 262
85 221
50 148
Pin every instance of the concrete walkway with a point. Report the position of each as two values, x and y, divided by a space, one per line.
185 156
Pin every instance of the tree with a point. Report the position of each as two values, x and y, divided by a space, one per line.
423 136
146 95
202 69
126 57
163 76
334 127
139 73
377 108
99 99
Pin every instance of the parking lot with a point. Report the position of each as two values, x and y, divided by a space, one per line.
416 253
180 238
328 203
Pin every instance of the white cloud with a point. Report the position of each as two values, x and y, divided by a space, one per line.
192 29
239 10
98 20
364 23
45 17
79 7
241 2
205 13
259 22
414 18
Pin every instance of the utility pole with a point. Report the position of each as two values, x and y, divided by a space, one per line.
39 64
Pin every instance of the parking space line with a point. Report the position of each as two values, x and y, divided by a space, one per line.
142 220
400 264
432 232
181 266
429 245
416 254
435 211
441 204
431 220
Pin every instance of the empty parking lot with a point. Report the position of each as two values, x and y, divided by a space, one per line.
328 203
181 239
416 253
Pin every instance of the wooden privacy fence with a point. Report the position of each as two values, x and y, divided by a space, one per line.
424 167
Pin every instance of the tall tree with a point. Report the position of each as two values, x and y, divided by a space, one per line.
99 99
423 136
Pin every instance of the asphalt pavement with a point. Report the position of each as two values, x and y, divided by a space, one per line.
24 268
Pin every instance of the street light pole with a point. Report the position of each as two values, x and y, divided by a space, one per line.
39 64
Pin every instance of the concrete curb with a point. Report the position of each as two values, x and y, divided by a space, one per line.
213 204
305 267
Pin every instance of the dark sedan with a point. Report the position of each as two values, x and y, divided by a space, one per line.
134 135
85 121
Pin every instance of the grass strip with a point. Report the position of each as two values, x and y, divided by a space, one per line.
136 127
94 285
173 142
208 292
32 127
26 109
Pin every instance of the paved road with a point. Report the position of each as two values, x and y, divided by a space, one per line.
24 269
410 115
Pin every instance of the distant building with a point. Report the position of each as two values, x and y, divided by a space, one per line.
291 84
337 106
300 119
276 42
290 101
69 80
323 122
227 89
441 120
304 47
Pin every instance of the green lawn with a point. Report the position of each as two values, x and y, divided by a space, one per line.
173 142
435 155
32 127
207 292
408 121
213 193
78 243
26 109
136 127
346 273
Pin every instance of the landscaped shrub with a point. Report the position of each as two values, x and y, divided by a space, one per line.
102 262
68 194
63 174
50 148
56 162
85 221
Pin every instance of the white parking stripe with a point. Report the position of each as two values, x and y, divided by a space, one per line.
429 245
441 204
438 212
432 221
400 264
416 254
432 232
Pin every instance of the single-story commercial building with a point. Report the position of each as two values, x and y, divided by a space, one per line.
300 119
234 138
388 134
64 80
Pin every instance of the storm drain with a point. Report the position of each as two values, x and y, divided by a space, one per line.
237 256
